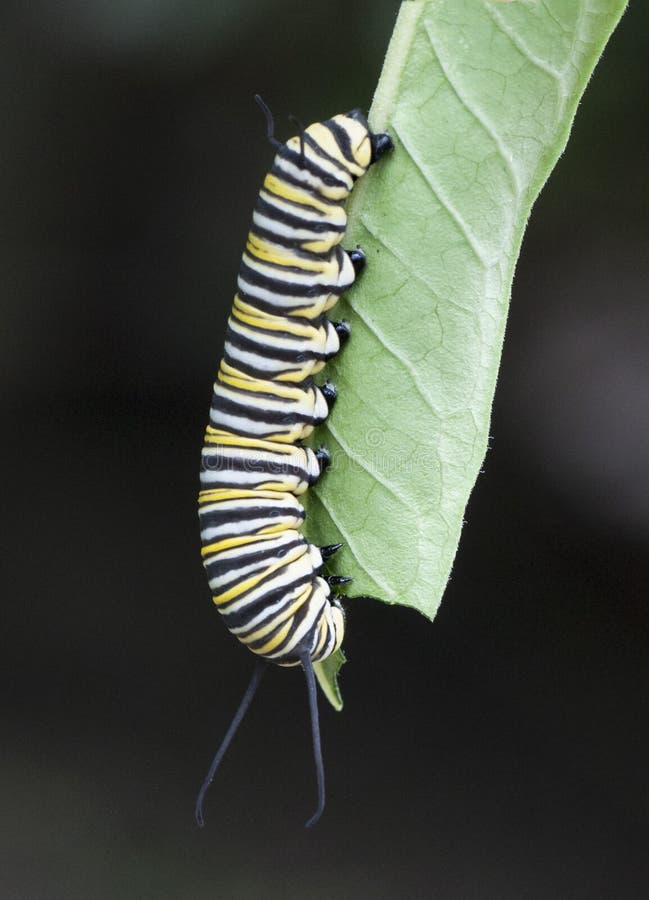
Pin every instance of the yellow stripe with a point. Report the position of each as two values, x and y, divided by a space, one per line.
286 191
251 310
323 246
211 495
220 431
217 495
326 141
233 378
274 529
297 376
242 587
255 259
307 311
276 641
232 440
273 323
335 213
260 249
229 543
284 487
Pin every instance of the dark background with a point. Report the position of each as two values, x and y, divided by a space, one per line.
500 752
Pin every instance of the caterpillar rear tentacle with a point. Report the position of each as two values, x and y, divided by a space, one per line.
251 690
307 665
264 576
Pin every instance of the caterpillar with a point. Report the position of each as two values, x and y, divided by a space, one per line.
266 579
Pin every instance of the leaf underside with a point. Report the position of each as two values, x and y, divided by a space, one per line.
479 98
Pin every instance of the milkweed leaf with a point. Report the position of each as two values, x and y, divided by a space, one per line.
479 98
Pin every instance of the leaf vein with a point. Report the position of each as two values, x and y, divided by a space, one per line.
408 266
487 127
383 587
372 472
401 359
557 75
445 202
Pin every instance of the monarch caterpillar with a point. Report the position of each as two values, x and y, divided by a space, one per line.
264 576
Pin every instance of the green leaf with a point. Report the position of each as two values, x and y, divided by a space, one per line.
479 98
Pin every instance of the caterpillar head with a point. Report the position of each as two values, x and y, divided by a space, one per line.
331 155
354 144
379 143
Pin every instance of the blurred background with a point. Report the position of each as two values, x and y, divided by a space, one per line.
500 752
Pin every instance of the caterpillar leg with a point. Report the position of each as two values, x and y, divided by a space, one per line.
343 330
325 554
382 143
349 264
358 259
330 549
336 333
307 666
329 392
333 580
251 690
323 457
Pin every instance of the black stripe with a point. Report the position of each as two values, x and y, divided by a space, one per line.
298 619
249 391
257 306
247 508
263 417
273 332
221 462
283 287
294 221
342 139
284 267
282 175
288 240
253 372
274 514
271 308
232 484
284 372
311 141
304 163
286 354
240 618
217 566
281 625
296 245
304 204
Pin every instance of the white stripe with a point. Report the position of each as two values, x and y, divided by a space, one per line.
336 215
290 231
301 175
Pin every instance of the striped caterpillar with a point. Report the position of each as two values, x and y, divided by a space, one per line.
264 576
